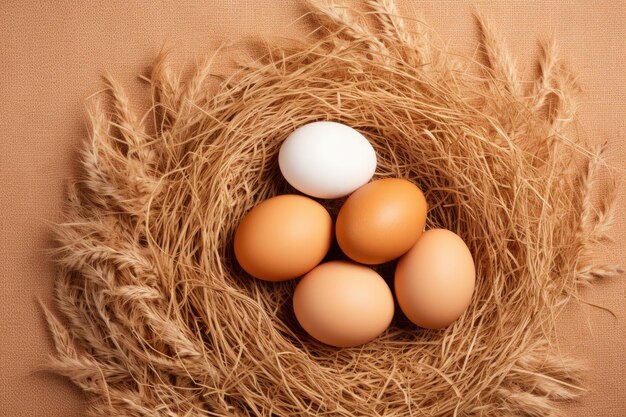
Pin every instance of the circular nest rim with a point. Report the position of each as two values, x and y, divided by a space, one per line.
158 319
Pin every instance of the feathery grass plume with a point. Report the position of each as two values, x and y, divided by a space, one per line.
500 62
156 317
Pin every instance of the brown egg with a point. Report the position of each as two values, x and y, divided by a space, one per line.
283 237
435 280
381 220
343 304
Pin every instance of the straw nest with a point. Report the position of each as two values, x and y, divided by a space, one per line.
158 319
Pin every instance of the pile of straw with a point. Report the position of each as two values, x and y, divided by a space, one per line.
158 319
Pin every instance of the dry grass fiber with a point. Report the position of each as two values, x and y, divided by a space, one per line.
156 318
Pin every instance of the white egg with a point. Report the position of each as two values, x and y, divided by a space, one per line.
327 159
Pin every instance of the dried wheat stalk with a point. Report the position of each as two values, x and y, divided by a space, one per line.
157 319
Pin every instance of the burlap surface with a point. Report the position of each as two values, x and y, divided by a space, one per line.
51 59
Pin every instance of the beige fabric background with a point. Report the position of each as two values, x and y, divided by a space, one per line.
51 58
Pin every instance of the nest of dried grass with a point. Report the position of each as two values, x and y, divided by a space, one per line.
159 320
